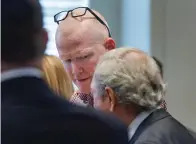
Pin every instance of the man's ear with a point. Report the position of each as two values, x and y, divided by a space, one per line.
112 98
109 44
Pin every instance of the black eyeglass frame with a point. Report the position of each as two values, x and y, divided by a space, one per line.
86 8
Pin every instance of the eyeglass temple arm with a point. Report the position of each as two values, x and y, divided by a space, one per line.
100 20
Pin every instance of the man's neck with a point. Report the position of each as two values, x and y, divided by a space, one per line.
126 116
84 91
128 119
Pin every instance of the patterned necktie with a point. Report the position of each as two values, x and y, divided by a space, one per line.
164 105
82 98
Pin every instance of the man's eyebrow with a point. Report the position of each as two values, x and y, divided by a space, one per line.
65 56
75 54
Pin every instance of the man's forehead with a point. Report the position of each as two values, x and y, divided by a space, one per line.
71 23
76 44
73 53
80 34
81 25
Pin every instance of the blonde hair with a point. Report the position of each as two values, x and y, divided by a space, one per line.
56 76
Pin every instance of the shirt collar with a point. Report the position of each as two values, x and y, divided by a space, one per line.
20 72
136 122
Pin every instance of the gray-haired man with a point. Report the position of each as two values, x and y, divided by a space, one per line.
128 83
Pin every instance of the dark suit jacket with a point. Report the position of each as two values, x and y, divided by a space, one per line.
32 114
161 128
193 133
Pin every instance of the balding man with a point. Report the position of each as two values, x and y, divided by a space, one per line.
127 82
30 112
81 38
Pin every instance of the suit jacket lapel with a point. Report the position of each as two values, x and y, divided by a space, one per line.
152 118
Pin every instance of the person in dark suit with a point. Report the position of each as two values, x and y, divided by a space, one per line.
193 133
30 112
127 82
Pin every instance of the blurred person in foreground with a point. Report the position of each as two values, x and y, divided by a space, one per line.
56 76
127 82
82 37
30 112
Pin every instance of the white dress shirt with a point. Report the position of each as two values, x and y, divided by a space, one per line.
136 122
21 72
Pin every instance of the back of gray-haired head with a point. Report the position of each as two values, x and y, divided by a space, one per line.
133 75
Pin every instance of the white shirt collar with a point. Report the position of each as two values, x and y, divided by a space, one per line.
136 122
20 72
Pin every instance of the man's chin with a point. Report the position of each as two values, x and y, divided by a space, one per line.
84 85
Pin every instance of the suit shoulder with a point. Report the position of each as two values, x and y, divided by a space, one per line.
97 116
165 131
95 123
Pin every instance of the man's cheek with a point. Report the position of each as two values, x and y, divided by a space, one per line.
94 61
69 71
90 68
94 64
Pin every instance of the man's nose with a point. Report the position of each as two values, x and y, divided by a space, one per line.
76 68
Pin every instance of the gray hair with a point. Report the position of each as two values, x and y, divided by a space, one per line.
133 81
